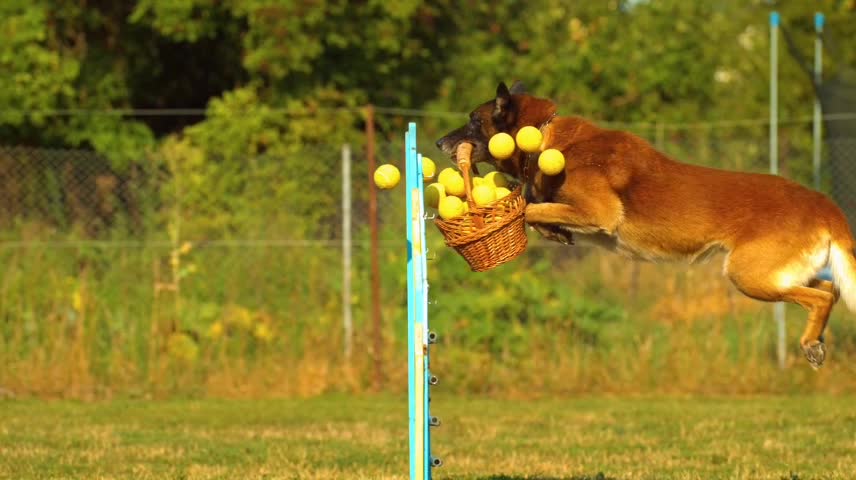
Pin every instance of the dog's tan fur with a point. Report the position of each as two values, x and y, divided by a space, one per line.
622 194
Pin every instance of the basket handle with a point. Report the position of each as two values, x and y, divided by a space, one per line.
463 155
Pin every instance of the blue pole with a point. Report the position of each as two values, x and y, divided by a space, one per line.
411 304
417 313
423 306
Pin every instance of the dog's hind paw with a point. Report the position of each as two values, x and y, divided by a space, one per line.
815 354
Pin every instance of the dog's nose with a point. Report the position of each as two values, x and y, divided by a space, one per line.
439 144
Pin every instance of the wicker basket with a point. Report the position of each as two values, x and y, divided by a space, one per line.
489 235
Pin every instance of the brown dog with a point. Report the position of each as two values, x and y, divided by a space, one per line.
620 193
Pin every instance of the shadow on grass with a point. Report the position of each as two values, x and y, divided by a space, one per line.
597 476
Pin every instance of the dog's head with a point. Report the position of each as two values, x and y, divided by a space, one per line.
509 111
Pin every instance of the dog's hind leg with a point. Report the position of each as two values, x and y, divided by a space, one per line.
826 286
763 275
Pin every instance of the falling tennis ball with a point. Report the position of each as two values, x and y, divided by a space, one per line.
446 173
529 139
428 169
502 192
454 185
501 146
551 162
433 194
496 179
387 176
483 194
450 207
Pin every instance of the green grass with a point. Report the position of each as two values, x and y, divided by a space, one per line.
366 437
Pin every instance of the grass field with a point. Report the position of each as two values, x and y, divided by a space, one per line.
344 438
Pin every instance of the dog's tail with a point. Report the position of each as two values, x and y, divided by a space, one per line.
842 261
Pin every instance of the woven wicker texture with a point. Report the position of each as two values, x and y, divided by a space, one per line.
487 236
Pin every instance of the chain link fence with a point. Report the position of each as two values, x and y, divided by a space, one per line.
70 191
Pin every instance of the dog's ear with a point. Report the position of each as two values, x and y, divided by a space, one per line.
517 88
502 90
503 98
503 109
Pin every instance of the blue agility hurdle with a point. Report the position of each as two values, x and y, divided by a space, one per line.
418 336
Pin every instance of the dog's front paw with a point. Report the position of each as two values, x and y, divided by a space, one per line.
554 233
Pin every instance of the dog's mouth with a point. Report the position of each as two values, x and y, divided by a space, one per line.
480 153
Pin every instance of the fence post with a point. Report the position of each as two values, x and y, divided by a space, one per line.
375 263
779 307
818 79
347 315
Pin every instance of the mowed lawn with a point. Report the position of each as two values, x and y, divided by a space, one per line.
366 438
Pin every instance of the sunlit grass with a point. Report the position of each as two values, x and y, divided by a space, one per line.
366 438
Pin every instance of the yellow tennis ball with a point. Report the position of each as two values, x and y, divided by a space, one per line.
446 173
529 139
478 181
450 207
454 185
483 194
433 194
501 146
502 192
551 162
428 169
466 207
496 179
387 176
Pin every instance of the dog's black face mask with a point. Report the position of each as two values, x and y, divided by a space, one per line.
490 118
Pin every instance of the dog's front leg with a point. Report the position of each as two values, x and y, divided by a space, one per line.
554 233
579 221
585 203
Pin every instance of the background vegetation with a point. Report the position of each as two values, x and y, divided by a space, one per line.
196 251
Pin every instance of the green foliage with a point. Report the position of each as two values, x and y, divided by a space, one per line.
37 75
184 20
665 60
250 157
500 309
124 142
